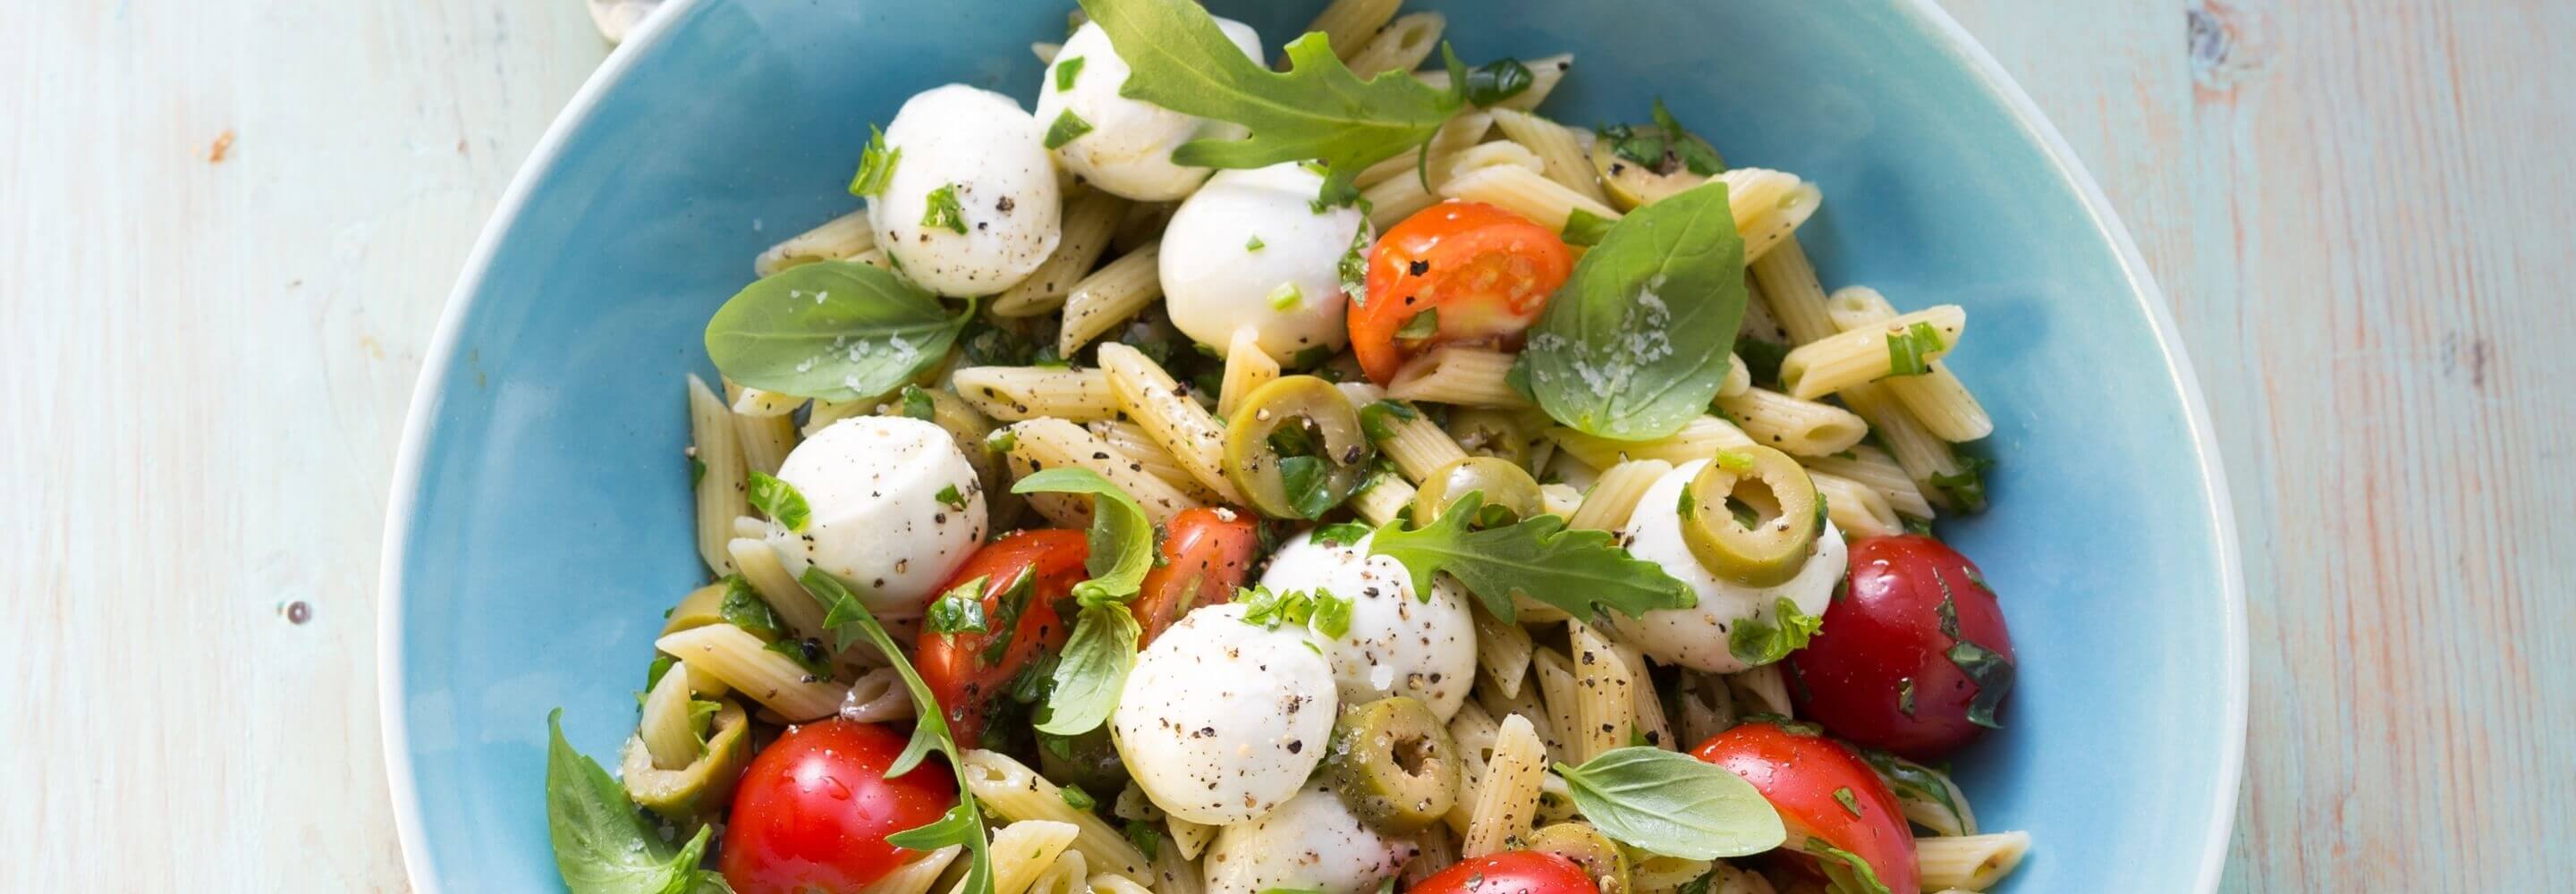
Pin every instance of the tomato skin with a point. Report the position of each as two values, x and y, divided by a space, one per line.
1799 773
1509 872
954 665
814 808
1884 639
1488 271
1206 555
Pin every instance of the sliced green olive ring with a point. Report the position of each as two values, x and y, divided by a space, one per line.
704 786
1392 762
1786 516
1255 466
1587 847
1507 488
1487 431
1631 184
703 606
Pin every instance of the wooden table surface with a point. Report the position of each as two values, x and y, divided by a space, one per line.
2359 209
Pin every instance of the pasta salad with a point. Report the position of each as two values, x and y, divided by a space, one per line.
1324 478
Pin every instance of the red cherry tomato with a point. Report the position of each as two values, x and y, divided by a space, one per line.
1205 557
1913 658
814 809
1808 779
964 670
1509 872
1486 270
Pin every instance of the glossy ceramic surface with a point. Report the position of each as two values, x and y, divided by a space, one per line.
541 516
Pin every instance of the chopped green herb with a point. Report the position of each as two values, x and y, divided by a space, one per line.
1076 798
1695 154
1353 267
1286 296
1423 325
697 472
1065 71
1849 801
742 607
917 404
1845 872
941 209
807 653
1906 350
1965 488
1067 128
1757 642
1342 534
1496 81
1320 610
1253 244
779 501
1993 674
662 664
949 497
1373 418
1001 440
960 610
1915 524
876 164
1762 358
1905 696
1145 837
1586 228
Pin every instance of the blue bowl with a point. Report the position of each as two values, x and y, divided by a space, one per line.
541 516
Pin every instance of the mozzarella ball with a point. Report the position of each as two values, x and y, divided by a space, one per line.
1128 150
982 159
872 487
1397 644
1696 637
1313 842
1288 289
1221 720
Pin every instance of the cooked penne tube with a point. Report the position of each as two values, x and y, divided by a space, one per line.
1246 367
1936 397
1507 795
1738 378
1348 24
721 485
1869 354
765 440
1015 792
1796 300
1401 45
840 238
1056 443
1156 402
1854 507
1559 148
1404 436
1526 192
1458 375
1461 131
1874 469
1791 425
1614 495
915 876
745 663
1503 650
1973 862
1925 457
1109 296
1088 223
1698 439
1604 695
1014 393
1384 499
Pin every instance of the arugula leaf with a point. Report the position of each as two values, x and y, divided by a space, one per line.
849 622
780 501
742 607
1317 110
1993 674
1092 671
602 844
1906 349
1758 642
1673 804
941 209
1586 228
1634 344
1581 572
1067 128
876 165
1496 81
837 330
1845 872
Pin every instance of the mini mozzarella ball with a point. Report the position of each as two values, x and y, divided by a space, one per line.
1313 843
1128 150
1222 720
872 487
1288 290
1397 644
992 159
1696 637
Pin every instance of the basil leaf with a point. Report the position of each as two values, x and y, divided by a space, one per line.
1309 482
1673 804
1093 670
837 330
1695 153
1634 344
1122 537
780 501
1496 81
1762 359
1581 572
1758 642
603 845
1317 110
876 164
1966 487
1993 674
960 610
1586 228
807 654
742 607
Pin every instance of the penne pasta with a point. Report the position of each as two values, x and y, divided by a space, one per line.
1014 792
1015 393
1503 650
1109 296
721 484
1526 192
1615 494
1348 24
1869 354
1875 469
915 876
837 239
1605 694
1054 443
1168 414
1088 223
1974 862
1399 46
745 663
1559 149
1460 132
1793 425
765 440
1936 397
1854 507
1795 299
1458 375
1558 692
1023 851
1507 793
1246 367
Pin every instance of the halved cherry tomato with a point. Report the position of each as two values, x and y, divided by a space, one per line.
1914 658
1509 872
1206 556
814 809
966 669
1823 792
1486 271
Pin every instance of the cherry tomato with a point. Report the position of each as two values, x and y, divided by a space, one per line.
1509 872
1486 271
1205 557
1825 792
1913 658
814 809
966 669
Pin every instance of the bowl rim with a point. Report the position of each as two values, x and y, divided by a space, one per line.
1926 15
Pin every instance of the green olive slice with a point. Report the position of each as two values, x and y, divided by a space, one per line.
1508 490
703 606
1392 762
1631 184
702 788
1331 465
1492 431
1765 542
1600 858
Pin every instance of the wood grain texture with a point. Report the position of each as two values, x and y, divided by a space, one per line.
203 374
2356 209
